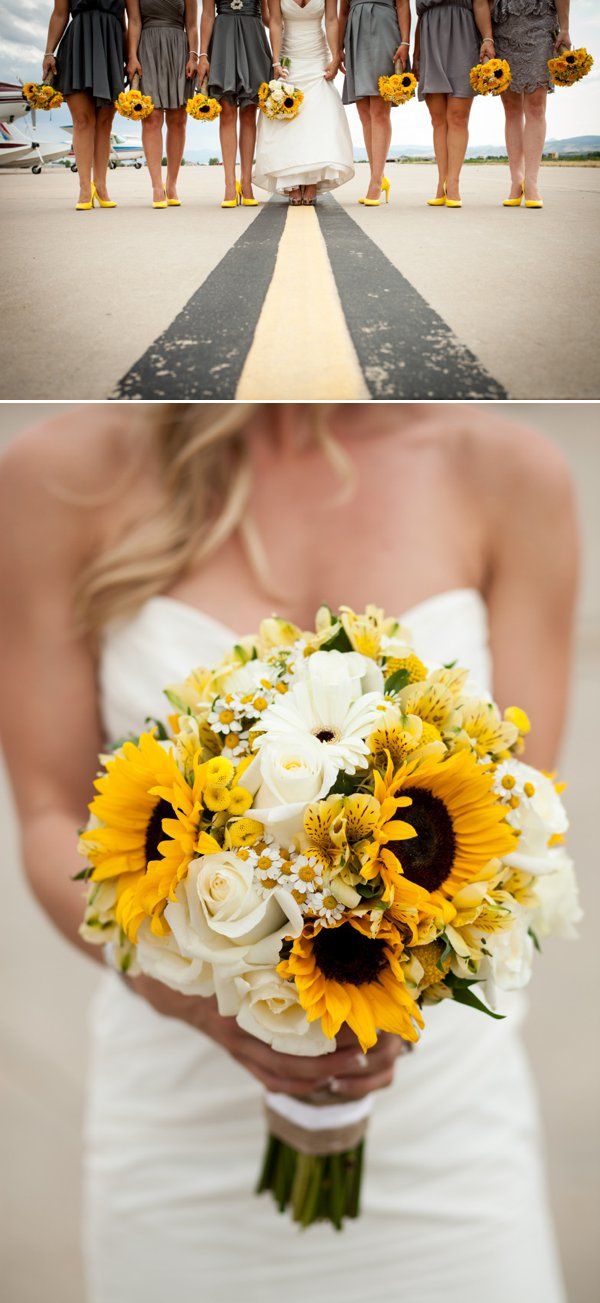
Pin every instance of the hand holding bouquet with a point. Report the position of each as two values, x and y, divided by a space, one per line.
327 834
491 78
570 66
203 107
132 104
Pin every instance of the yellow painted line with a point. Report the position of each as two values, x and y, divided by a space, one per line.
301 347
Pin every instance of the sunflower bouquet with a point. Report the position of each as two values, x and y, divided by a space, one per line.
279 100
398 89
132 104
327 833
203 107
41 95
491 78
570 66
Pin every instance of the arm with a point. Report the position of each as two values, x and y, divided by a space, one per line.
563 39
333 37
51 730
191 27
206 31
134 31
58 23
403 12
483 20
275 34
342 24
417 50
532 588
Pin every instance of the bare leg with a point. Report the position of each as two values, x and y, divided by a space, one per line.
381 136
176 124
437 105
458 111
310 193
83 114
534 136
247 143
228 136
104 121
515 121
152 140
364 113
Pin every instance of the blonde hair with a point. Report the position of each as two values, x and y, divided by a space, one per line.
205 479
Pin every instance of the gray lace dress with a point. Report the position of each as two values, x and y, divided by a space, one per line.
163 53
524 33
449 47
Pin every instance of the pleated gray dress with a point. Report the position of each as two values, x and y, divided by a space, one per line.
91 53
449 45
524 33
239 53
372 38
163 54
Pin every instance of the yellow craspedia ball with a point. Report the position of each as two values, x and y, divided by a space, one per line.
219 771
520 719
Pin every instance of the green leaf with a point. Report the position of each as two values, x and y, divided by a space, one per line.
535 940
339 640
398 680
449 665
161 731
345 784
83 874
462 993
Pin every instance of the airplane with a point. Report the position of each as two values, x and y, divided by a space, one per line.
12 104
18 149
123 149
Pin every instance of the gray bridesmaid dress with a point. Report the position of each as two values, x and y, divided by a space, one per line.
449 47
372 38
91 53
163 53
239 53
524 33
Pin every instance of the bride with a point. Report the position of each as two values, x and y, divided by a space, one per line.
126 556
313 152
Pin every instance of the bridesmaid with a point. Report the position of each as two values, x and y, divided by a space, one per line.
374 35
235 56
163 50
452 36
528 33
89 71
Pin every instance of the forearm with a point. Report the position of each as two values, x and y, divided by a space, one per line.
275 34
417 49
483 19
50 861
206 30
57 25
192 36
133 37
333 37
342 23
563 9
404 20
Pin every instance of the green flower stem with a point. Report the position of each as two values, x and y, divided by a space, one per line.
313 1187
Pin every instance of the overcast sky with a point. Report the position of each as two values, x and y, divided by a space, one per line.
572 112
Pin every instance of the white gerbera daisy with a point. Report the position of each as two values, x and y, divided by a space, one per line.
329 707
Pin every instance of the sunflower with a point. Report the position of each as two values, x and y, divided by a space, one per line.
459 823
148 820
343 975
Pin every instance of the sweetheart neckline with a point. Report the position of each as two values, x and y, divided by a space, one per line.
404 617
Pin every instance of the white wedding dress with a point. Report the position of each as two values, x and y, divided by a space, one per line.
454 1205
316 147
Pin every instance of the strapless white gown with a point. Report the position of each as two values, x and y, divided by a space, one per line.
316 147
454 1203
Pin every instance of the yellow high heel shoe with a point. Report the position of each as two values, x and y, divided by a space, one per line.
232 203
102 203
87 207
386 190
533 203
451 203
172 203
514 203
246 203
437 203
161 203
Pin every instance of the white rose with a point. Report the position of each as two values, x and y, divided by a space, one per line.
161 958
290 772
538 818
558 909
268 1007
351 672
219 917
511 954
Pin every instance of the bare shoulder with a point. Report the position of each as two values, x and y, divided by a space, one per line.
56 481
509 457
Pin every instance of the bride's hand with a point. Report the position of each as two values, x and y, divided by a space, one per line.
279 71
346 1071
332 69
